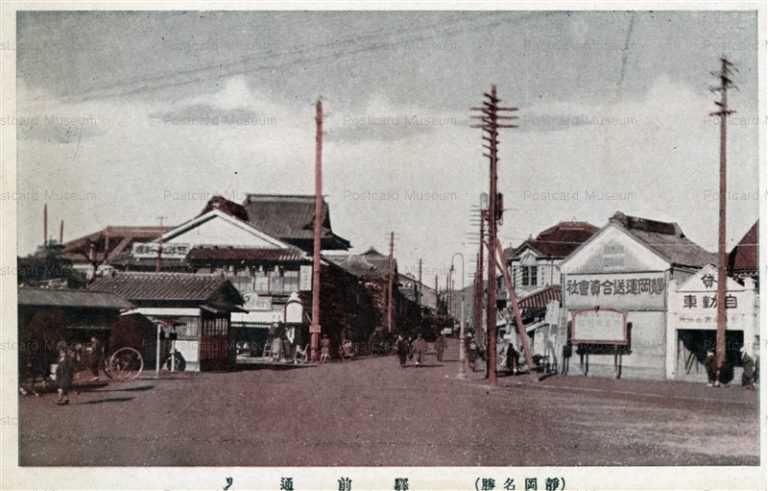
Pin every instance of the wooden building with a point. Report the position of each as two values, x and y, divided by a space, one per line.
199 306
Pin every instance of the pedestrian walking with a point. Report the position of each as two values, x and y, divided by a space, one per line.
471 347
65 371
440 344
403 348
419 348
567 354
325 348
513 358
97 357
710 363
748 374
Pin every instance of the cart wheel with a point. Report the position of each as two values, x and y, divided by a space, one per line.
125 364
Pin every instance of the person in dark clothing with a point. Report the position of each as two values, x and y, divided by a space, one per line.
513 358
748 375
65 372
472 352
440 346
403 349
713 375
567 353
97 357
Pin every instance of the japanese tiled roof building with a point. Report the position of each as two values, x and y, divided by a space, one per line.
557 241
291 219
743 261
666 239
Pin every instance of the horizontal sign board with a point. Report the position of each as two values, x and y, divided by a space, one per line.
599 326
620 291
153 249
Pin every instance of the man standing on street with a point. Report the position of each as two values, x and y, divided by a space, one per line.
419 348
712 372
97 357
402 347
748 375
440 346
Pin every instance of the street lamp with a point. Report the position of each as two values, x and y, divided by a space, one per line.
461 320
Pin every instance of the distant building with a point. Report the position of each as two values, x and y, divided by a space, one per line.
94 253
535 264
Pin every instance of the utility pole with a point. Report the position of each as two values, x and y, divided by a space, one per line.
437 296
390 285
726 70
314 327
61 232
418 290
477 312
489 122
159 247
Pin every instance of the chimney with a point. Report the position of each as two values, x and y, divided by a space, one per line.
45 224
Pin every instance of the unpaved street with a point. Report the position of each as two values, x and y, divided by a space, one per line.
370 412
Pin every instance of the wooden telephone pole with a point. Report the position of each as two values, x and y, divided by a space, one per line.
726 70
314 327
490 124
390 283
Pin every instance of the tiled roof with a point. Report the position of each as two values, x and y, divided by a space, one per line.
40 297
230 207
666 239
557 241
164 286
115 239
245 254
291 218
744 257
540 298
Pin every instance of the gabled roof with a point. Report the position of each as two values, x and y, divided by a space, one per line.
230 207
291 218
236 222
696 283
113 239
168 287
666 239
744 256
557 241
369 265
43 297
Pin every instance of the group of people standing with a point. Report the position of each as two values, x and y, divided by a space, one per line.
67 359
417 348
748 374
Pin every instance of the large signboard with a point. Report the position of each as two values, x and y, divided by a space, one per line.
599 326
171 250
622 291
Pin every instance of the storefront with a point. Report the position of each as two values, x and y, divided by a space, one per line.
692 324
615 291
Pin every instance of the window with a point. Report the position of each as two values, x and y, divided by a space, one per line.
529 274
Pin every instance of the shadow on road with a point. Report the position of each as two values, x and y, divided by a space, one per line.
109 399
425 365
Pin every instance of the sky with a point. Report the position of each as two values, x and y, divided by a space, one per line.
127 117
